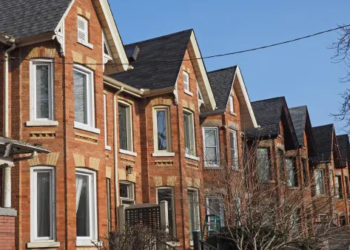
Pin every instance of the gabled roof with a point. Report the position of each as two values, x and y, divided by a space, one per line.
159 62
268 114
27 18
301 122
221 82
323 139
344 147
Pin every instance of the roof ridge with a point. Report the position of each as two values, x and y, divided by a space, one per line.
159 37
327 125
298 107
230 67
270 99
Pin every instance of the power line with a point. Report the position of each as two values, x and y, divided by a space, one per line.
225 54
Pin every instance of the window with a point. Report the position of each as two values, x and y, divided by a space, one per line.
125 127
234 149
42 90
231 101
238 207
109 207
162 132
166 194
200 97
211 147
215 212
281 165
43 218
320 189
105 121
86 219
186 81
193 211
126 190
190 145
338 187
84 104
83 30
292 173
264 165
305 175
331 184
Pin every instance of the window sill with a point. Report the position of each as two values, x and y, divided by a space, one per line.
85 127
44 244
108 148
188 93
88 243
192 157
163 154
293 188
42 123
126 152
89 45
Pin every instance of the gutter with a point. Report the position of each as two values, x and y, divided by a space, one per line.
10 41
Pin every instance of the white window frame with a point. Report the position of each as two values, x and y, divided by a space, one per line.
86 32
231 103
235 161
186 83
221 212
131 191
317 190
90 100
168 128
33 109
217 146
192 134
105 121
173 205
33 204
130 129
87 241
338 185
197 208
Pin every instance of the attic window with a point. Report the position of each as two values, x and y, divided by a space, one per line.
83 31
186 81
231 101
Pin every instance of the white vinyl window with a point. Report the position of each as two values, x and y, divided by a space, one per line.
161 129
320 188
83 30
193 211
234 149
86 207
127 193
42 90
125 127
186 81
231 101
211 147
190 141
292 173
264 165
105 121
167 194
338 187
42 202
215 212
84 100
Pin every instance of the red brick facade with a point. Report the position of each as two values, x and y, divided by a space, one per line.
7 232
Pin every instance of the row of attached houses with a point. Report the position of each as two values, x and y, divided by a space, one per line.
136 124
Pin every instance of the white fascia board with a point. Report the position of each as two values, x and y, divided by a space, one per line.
203 71
64 16
246 96
115 33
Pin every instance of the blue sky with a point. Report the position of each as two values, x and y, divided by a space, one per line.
303 71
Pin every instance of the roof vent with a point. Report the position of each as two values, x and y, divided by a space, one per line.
132 53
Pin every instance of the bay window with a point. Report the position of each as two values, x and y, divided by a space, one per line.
86 207
234 149
42 201
190 141
211 147
161 129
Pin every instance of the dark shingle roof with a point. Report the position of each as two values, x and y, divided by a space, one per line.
323 139
221 82
158 63
344 147
28 18
298 115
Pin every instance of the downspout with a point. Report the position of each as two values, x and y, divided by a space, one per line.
6 88
116 150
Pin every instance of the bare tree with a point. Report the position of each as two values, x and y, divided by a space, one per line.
259 211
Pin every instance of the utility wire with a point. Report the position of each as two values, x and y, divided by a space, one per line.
224 54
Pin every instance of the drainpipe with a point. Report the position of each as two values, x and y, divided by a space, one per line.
6 88
116 148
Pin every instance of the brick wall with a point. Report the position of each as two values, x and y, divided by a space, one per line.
7 232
